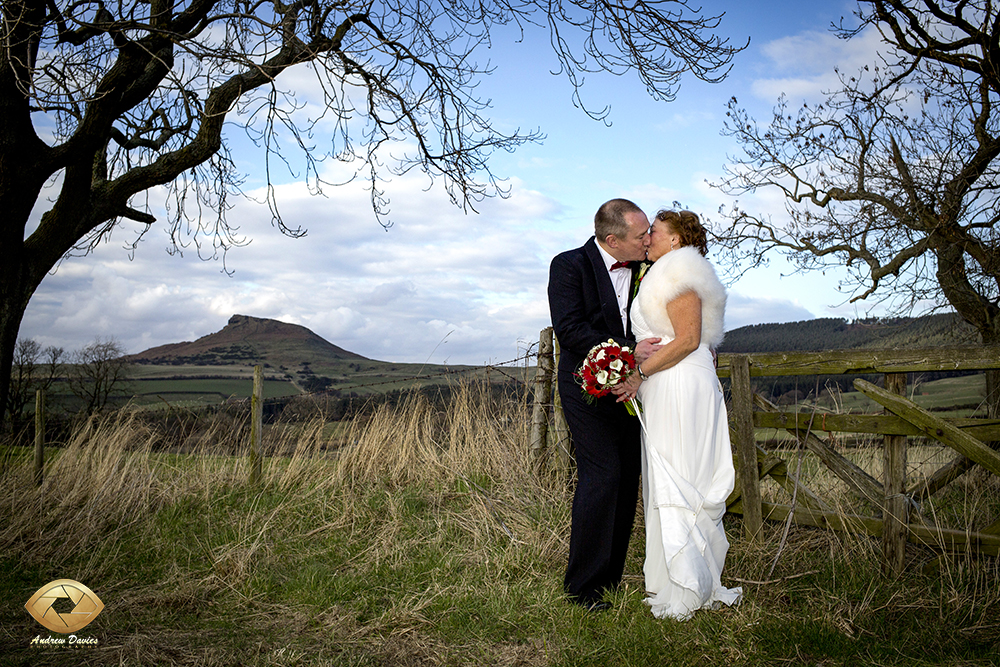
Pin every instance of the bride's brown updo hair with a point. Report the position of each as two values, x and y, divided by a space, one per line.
687 225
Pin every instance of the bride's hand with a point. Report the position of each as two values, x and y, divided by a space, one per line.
627 390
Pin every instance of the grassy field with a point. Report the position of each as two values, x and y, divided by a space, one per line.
214 390
192 386
948 397
361 377
936 395
428 540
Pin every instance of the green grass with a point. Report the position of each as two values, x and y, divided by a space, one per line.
207 390
429 542
947 397
362 377
397 584
935 395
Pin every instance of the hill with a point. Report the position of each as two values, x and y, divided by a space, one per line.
946 329
295 361
249 340
840 334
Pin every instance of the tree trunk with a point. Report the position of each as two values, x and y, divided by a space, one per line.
975 308
21 266
21 177
12 307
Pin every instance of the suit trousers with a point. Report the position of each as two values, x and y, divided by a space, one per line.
609 463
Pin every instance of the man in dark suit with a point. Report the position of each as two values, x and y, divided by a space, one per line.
590 291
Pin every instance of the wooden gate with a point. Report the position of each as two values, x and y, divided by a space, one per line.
894 501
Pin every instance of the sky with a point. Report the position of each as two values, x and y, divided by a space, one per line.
444 286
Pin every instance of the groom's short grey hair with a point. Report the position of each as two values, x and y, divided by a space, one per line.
610 218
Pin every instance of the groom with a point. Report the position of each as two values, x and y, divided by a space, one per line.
590 291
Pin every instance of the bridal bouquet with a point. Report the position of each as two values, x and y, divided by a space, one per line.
606 365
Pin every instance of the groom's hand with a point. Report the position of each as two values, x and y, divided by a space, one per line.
644 349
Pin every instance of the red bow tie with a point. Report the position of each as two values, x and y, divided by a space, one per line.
621 265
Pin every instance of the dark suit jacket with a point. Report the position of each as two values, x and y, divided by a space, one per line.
583 305
606 445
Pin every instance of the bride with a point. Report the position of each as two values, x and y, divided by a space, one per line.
687 467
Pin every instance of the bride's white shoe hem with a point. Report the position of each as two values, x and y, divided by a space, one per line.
730 597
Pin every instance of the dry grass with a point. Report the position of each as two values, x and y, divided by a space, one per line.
104 481
427 540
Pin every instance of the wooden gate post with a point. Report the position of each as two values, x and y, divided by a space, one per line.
542 398
896 510
746 446
564 443
39 435
256 423
993 393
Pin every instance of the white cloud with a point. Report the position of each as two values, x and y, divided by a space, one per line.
681 121
743 310
391 295
801 66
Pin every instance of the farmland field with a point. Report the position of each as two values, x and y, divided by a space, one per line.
968 390
207 390
948 397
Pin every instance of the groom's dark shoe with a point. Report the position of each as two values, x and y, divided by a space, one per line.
591 604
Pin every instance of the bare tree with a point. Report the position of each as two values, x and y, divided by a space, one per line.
929 31
34 368
99 372
106 101
895 174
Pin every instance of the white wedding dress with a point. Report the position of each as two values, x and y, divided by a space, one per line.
687 474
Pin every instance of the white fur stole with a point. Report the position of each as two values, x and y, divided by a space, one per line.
683 270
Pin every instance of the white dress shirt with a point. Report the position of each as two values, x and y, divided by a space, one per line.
621 280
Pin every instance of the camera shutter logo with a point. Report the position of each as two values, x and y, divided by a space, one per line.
86 606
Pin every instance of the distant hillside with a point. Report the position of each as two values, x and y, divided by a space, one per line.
249 340
839 334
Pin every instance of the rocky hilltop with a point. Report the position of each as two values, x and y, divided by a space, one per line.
249 340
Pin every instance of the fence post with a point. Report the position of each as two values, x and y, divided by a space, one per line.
564 442
895 514
256 423
746 446
543 396
993 393
39 435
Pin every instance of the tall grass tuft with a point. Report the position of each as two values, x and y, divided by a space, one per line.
475 437
102 482
471 461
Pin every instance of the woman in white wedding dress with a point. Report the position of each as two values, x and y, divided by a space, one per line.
687 468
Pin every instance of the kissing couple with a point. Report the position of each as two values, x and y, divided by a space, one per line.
652 289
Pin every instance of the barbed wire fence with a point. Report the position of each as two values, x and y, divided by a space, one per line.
496 366
257 404
350 402
542 393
